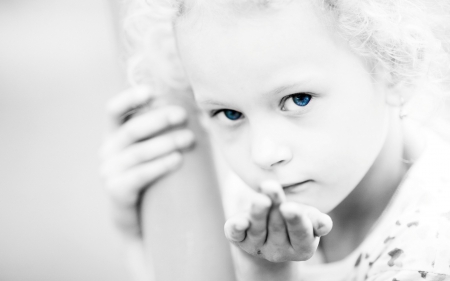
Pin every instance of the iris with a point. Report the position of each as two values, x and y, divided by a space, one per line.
301 99
231 114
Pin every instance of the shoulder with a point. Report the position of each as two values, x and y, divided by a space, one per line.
415 245
409 275
418 245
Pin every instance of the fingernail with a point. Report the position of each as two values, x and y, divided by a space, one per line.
323 228
240 226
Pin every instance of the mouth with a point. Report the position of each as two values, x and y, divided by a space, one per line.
296 187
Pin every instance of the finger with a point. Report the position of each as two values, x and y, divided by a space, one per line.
274 190
126 188
126 101
148 150
258 217
299 226
144 126
277 232
235 228
322 223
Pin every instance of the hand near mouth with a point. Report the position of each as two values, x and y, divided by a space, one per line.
277 230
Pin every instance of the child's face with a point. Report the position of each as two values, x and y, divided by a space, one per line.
288 100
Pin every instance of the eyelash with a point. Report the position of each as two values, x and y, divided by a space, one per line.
285 98
214 113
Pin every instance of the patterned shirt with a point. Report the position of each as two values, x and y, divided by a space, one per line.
411 239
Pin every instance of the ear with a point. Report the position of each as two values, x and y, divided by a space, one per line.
399 94
395 93
383 80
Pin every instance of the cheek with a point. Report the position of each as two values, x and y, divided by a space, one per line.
236 152
352 136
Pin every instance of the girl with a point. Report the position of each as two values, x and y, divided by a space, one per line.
306 101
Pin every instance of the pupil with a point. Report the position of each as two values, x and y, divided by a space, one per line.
232 115
301 99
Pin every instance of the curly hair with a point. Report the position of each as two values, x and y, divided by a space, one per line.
408 39
150 44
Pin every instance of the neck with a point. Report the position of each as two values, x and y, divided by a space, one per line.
354 217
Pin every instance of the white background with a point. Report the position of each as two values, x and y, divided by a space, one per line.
58 66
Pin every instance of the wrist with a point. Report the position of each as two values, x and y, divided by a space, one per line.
250 268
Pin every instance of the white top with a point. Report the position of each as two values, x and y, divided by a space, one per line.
411 239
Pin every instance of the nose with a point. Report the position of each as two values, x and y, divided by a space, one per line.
268 153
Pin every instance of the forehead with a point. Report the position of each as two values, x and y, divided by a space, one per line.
217 49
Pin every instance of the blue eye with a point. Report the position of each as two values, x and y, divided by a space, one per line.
231 114
301 99
293 102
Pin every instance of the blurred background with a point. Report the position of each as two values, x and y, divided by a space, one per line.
59 64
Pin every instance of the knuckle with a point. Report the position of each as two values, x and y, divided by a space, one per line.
183 138
175 115
130 132
135 155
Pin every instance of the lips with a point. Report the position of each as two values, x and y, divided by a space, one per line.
298 186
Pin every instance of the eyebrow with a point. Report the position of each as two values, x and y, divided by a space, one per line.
272 92
211 102
280 89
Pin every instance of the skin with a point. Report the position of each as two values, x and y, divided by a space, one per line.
336 145
344 144
130 164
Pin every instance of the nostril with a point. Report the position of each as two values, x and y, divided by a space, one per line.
279 162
